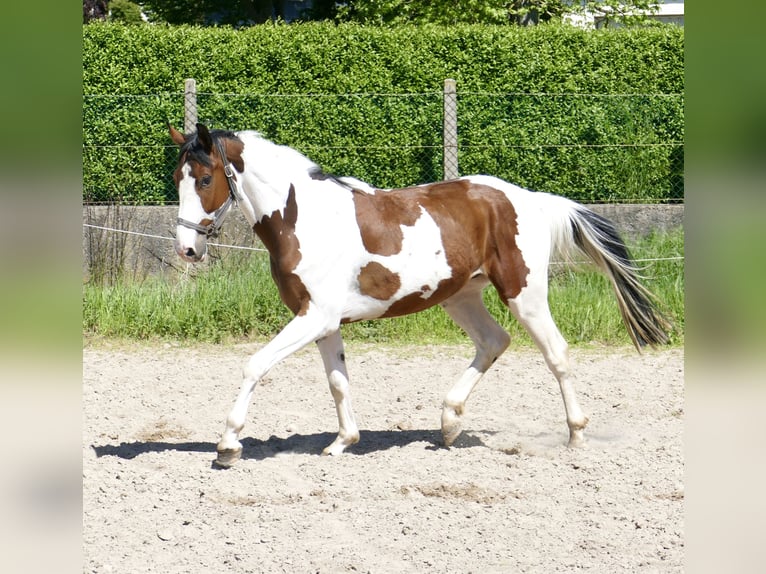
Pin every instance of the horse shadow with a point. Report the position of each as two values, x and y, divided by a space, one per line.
254 449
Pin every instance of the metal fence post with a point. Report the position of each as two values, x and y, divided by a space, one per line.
450 129
190 105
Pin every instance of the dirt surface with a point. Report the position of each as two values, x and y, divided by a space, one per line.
508 497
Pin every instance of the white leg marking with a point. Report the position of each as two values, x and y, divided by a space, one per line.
331 348
299 332
532 311
467 309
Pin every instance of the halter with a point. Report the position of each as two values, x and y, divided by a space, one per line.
212 229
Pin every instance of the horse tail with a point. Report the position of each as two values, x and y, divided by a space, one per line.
599 240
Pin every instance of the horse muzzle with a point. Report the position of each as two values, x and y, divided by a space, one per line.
190 248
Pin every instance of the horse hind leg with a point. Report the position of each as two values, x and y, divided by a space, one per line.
467 309
531 309
331 349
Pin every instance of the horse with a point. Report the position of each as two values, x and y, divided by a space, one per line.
343 251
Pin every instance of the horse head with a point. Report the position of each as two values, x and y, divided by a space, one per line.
206 188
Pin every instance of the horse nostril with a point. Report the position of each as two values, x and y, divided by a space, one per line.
190 252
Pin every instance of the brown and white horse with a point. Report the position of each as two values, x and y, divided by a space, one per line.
342 251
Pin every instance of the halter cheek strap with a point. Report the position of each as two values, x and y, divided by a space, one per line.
212 229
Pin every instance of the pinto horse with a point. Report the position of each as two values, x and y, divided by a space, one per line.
342 251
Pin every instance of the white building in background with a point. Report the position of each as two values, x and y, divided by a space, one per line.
668 13
671 13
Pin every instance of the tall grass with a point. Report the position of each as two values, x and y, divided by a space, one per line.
236 299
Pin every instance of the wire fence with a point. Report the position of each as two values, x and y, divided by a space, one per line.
263 250
614 148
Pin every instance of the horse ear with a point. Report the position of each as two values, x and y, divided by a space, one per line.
205 138
176 136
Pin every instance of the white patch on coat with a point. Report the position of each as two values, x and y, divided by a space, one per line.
270 169
421 265
421 261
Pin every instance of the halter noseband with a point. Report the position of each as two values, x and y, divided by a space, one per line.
212 229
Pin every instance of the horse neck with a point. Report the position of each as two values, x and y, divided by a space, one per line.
270 171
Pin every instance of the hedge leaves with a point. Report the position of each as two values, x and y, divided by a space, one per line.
594 115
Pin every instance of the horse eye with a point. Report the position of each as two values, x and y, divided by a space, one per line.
205 180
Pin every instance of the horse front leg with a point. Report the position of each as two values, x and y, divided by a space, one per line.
299 332
331 348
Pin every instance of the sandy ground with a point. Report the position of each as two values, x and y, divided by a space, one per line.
508 497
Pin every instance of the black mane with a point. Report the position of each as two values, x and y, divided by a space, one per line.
194 151
317 173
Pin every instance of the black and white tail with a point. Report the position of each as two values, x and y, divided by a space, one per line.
597 238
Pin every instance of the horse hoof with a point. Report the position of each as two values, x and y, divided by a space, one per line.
451 432
576 434
576 441
339 445
452 426
450 438
227 457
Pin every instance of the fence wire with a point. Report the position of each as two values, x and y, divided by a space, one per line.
590 147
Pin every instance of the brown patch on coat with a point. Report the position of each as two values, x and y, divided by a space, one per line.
478 226
380 217
415 302
504 264
378 282
277 232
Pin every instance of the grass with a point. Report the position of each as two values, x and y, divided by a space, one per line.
236 300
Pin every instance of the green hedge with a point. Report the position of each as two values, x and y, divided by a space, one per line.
367 102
